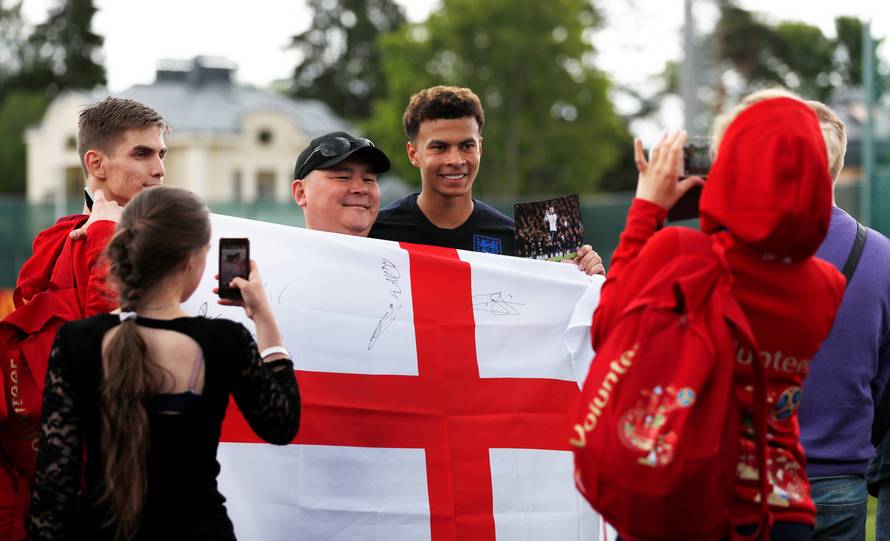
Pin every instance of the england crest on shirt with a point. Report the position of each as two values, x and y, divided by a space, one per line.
488 245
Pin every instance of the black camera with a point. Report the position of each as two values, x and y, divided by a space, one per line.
696 163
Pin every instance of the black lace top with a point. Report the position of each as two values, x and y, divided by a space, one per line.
182 500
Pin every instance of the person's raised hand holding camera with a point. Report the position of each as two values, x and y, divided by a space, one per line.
659 180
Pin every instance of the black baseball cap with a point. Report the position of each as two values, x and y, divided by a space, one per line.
332 148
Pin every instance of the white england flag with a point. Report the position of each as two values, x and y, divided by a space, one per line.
437 386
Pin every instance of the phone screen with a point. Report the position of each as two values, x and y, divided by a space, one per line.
234 258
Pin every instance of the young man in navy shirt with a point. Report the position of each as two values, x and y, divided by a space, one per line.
444 129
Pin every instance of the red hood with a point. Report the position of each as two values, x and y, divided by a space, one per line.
46 249
770 185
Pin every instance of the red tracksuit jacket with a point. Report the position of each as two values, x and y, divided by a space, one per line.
62 280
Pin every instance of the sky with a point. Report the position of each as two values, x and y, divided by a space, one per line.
641 35
638 38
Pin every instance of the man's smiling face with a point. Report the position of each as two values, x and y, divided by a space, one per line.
447 152
343 199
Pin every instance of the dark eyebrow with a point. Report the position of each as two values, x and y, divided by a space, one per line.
445 143
143 148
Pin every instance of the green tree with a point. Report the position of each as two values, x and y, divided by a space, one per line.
745 42
807 59
550 126
18 111
63 52
59 54
340 58
791 54
848 57
12 41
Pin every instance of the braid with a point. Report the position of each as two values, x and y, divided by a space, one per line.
131 295
123 394
122 251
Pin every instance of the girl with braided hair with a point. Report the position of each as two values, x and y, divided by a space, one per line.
144 391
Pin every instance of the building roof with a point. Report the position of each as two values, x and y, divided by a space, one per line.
199 96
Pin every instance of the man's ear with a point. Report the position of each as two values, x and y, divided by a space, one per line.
94 161
299 190
480 144
412 153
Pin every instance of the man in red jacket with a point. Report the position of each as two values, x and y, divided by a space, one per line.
121 147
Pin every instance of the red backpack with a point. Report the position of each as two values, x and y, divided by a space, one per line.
656 431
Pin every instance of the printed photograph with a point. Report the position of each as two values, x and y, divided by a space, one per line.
549 229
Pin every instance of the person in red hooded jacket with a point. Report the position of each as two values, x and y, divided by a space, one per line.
121 148
767 200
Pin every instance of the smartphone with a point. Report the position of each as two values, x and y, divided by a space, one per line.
234 260
88 197
686 208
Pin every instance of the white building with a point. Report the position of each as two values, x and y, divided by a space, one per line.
228 142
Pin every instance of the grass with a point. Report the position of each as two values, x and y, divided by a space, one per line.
572 255
870 521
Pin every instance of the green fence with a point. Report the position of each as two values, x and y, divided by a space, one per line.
603 217
21 222
880 197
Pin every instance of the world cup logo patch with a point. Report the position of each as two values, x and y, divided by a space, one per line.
786 404
646 428
685 397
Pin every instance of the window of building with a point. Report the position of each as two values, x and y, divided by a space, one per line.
265 186
265 136
237 186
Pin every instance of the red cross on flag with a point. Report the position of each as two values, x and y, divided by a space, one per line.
437 386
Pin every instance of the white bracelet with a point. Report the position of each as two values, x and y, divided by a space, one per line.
274 349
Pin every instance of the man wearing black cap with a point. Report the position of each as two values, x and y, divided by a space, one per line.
335 182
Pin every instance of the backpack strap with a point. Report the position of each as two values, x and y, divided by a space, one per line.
744 333
855 253
759 406
760 413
